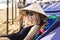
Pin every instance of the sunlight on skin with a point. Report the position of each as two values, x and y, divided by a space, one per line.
4 38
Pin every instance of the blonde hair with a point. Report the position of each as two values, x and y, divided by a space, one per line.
26 21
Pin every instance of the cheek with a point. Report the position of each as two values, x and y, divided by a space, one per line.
30 18
33 17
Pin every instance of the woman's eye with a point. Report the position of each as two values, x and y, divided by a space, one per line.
31 14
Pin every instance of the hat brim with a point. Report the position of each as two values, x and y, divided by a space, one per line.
35 12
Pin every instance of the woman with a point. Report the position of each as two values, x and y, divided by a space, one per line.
32 21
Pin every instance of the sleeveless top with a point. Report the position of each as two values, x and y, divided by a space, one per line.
19 35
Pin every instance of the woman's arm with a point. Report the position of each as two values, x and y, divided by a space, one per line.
32 32
4 38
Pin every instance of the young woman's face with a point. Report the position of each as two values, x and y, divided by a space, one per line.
34 18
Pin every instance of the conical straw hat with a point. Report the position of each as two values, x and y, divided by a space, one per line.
36 8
